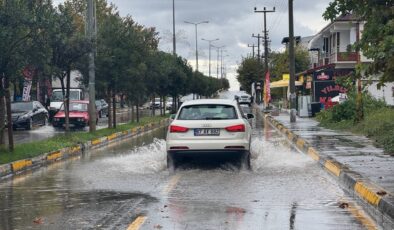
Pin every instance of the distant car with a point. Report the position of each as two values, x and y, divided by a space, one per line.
209 126
245 99
28 114
78 115
102 108
169 104
155 104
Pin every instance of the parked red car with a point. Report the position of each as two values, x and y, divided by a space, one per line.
79 116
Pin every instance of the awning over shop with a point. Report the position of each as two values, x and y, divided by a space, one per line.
283 83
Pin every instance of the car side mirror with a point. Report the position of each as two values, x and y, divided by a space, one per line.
35 109
172 116
249 116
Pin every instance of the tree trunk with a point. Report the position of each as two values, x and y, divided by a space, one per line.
109 99
114 109
161 105
9 116
165 106
2 114
153 105
67 102
132 113
138 111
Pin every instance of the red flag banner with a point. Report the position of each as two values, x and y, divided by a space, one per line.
267 89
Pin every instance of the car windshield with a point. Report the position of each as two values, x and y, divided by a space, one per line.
81 107
207 112
21 106
58 95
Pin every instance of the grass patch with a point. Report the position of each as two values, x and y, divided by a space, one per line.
29 150
378 125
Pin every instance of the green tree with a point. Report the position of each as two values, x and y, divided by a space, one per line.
280 62
377 40
21 22
250 70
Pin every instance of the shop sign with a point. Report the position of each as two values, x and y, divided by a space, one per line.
326 90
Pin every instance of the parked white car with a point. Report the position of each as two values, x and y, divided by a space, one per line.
209 126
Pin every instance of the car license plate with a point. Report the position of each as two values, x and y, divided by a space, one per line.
206 132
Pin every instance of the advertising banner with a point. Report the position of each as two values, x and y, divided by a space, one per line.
28 73
326 90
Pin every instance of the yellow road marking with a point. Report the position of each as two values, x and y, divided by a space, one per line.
16 166
366 193
300 143
112 136
360 215
96 141
171 185
75 149
313 154
54 156
290 136
137 223
333 168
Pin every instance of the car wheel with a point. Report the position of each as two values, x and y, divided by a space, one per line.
246 161
30 124
170 162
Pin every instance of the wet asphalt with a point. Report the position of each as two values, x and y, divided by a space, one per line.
127 185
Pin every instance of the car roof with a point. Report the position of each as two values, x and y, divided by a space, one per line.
209 101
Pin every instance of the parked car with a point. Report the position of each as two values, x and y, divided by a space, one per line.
78 115
28 114
209 126
102 108
155 104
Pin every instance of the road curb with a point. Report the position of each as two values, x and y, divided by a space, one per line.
378 202
20 166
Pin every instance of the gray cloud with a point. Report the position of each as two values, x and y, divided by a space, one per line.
233 21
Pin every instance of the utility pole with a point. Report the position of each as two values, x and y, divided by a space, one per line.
253 45
217 60
209 42
258 45
91 29
173 29
292 65
265 11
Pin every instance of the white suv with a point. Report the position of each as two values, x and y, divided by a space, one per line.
209 126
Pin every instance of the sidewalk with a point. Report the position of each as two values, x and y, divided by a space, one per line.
362 169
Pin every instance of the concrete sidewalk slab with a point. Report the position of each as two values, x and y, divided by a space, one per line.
364 170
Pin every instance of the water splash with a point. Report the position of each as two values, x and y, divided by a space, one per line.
146 159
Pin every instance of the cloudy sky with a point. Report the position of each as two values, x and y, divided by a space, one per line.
231 21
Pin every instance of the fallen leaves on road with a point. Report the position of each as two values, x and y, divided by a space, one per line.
344 205
38 220
381 193
158 226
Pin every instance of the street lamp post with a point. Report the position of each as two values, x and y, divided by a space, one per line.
209 42
195 25
221 62
173 29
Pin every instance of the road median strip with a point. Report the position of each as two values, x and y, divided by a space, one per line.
45 158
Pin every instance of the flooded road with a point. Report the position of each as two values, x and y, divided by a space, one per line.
127 185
